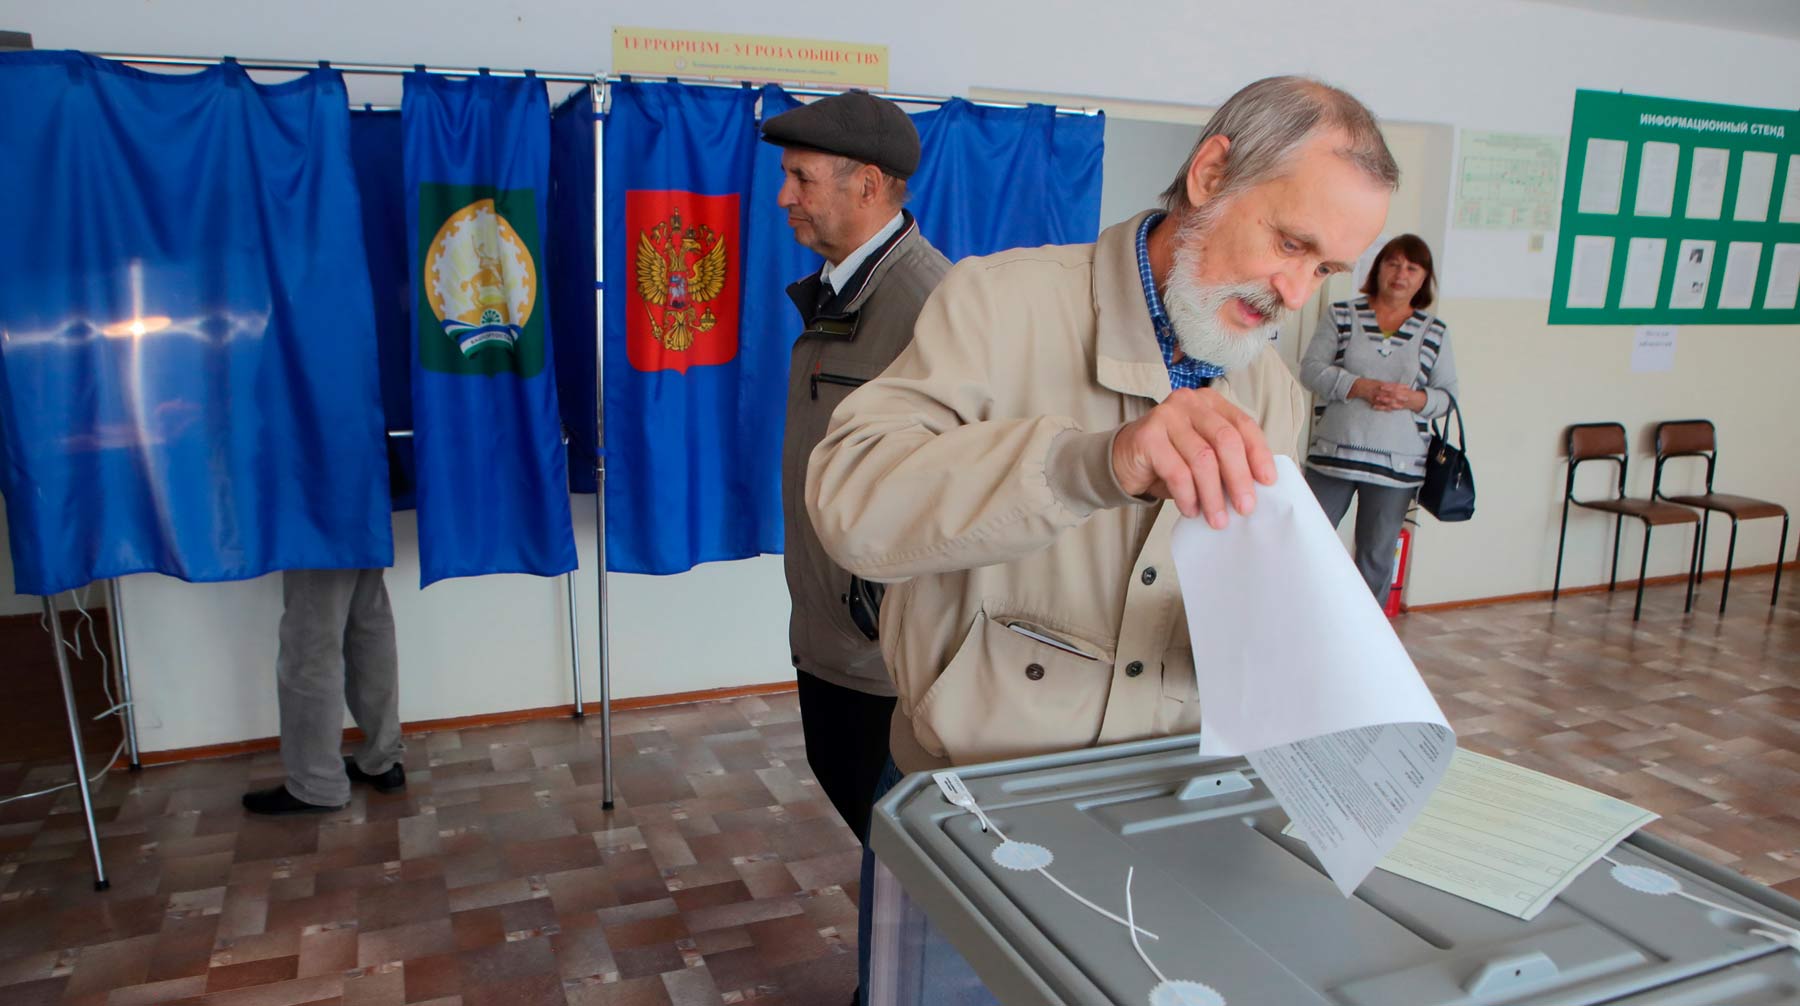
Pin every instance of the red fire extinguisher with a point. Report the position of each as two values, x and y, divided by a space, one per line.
1402 552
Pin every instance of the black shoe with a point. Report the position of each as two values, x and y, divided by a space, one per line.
387 782
277 800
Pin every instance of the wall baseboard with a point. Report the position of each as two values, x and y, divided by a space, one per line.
508 717
1596 588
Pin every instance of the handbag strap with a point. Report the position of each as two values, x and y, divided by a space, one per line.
1354 327
1461 430
1424 330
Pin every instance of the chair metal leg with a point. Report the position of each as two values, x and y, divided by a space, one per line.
1693 574
1561 537
1730 550
1705 526
1618 535
1643 568
1780 557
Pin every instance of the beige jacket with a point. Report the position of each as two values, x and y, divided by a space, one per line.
976 473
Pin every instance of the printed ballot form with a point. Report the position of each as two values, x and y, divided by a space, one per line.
1310 683
1314 688
1507 837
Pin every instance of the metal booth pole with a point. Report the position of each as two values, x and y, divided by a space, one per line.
122 667
574 626
574 643
81 776
606 760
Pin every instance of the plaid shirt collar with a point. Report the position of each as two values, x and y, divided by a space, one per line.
1186 372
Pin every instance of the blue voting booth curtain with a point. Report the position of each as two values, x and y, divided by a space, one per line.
492 475
680 481
770 324
186 385
571 251
697 348
990 179
375 146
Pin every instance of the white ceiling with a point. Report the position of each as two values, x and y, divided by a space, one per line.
1761 17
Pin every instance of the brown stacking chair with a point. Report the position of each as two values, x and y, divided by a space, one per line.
1693 438
1606 442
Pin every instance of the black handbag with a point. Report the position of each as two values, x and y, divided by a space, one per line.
1449 489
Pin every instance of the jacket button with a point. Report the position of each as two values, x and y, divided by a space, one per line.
1149 576
1035 672
1135 668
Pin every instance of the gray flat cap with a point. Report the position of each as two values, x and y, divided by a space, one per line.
854 124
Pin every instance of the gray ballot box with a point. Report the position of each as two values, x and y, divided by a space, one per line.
1250 913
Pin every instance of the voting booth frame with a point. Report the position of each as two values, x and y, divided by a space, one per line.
599 85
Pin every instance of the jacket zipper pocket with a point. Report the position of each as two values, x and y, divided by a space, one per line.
1051 641
838 379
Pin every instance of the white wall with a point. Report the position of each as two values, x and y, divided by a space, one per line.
1524 381
203 654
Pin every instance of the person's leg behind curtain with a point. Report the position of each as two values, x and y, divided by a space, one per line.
309 678
372 673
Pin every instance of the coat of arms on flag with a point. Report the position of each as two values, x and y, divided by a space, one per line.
479 310
683 262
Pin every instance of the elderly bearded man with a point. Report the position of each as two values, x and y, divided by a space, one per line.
1017 472
1005 472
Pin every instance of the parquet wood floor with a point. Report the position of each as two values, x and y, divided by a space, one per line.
723 875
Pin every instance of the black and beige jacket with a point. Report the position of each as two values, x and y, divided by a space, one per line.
849 337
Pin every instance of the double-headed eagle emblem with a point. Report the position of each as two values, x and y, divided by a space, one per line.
678 272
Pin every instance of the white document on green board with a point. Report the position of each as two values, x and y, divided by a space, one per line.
1656 179
1756 180
1590 272
1742 261
1602 176
1790 193
1784 278
1643 272
1706 183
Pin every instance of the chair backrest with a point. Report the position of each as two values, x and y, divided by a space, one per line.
1595 442
1587 441
1683 438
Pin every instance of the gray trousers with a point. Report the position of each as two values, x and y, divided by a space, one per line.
1380 511
337 647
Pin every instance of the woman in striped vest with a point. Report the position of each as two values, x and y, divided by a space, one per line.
1381 369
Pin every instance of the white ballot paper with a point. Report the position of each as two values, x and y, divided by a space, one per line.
1303 675
1509 838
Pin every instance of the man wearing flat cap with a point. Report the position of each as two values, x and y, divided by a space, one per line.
846 160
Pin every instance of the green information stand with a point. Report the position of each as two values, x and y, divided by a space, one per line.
1678 212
